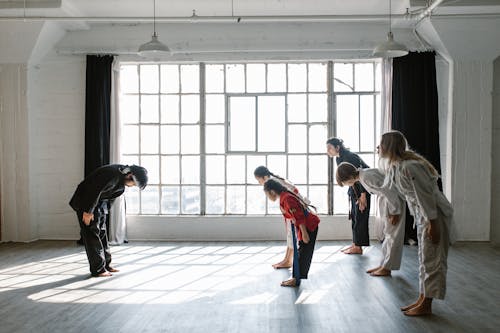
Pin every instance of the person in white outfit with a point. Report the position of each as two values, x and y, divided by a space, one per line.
392 208
416 179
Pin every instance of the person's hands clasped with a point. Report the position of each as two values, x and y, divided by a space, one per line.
87 218
433 232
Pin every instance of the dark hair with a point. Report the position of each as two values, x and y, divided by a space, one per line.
336 142
345 171
262 171
274 185
140 176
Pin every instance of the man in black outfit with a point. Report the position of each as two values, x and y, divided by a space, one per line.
91 200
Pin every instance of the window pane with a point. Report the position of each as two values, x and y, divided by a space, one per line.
130 139
235 78
276 77
317 77
348 120
342 77
190 79
318 169
129 159
150 200
149 109
273 207
214 139
368 159
214 78
215 196
378 76
190 170
297 77
169 78
317 138
256 78
152 164
236 169
215 170
150 140
318 107
363 74
252 163
297 108
170 109
236 199
190 139
132 200
129 108
215 109
170 170
169 139
340 200
149 79
190 109
256 200
319 198
242 124
129 79
277 165
271 117
190 199
297 169
170 200
297 139
367 124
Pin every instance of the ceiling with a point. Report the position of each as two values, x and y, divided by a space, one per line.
184 8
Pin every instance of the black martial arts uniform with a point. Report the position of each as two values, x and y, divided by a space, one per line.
360 236
94 195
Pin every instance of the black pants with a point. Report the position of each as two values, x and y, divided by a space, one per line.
306 253
360 236
95 239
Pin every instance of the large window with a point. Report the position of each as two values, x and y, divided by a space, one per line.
201 130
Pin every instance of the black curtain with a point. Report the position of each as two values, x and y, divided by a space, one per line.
97 114
415 109
97 111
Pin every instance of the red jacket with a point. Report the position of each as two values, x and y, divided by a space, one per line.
293 209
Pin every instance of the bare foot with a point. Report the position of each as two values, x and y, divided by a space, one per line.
289 283
112 269
373 269
423 309
381 272
354 250
104 274
417 303
282 264
347 248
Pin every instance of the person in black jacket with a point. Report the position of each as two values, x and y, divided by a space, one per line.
358 196
91 201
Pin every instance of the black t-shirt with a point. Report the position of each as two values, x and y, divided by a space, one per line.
346 156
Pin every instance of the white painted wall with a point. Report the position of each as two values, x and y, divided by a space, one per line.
14 155
495 163
57 119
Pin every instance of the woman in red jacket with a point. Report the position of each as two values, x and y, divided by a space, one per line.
305 228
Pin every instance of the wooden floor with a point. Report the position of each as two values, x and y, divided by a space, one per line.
231 287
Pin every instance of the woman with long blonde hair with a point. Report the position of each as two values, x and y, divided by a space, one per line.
416 179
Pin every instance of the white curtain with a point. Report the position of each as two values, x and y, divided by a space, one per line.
118 225
385 125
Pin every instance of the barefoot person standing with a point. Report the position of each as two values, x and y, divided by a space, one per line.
359 198
91 202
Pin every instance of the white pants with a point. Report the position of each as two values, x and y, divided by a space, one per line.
433 260
392 247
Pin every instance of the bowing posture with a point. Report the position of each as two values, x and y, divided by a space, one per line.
416 179
359 198
392 209
305 227
262 174
91 201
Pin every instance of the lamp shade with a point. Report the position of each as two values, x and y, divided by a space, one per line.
153 47
390 48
